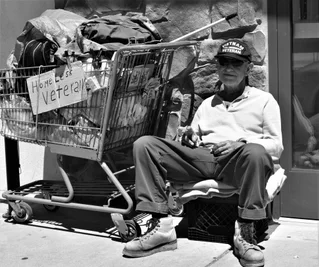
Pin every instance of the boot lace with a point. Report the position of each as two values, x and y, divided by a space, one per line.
152 226
247 232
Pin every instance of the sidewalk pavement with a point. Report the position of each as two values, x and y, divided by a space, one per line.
76 238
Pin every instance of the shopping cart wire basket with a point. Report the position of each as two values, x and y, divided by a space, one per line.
103 107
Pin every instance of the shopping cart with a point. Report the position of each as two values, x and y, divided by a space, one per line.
117 101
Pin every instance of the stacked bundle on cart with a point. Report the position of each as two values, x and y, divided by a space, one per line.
47 53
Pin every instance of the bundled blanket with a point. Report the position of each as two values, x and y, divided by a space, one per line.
213 188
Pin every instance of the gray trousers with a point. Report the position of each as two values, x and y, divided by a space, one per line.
158 160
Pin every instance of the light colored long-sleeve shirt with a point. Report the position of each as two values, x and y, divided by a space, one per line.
254 116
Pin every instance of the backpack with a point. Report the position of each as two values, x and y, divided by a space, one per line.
37 53
120 29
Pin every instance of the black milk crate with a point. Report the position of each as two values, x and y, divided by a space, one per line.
212 219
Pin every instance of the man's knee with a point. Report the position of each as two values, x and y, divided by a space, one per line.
143 142
255 152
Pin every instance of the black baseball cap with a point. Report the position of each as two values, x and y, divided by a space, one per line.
234 49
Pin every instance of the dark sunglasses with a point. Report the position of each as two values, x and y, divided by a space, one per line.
233 62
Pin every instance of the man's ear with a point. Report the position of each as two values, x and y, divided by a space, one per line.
250 67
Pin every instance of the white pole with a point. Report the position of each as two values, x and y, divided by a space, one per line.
203 28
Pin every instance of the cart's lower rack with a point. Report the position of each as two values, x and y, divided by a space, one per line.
96 189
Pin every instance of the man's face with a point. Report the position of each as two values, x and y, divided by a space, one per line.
232 71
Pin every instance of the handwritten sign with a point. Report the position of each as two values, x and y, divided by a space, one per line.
140 76
57 88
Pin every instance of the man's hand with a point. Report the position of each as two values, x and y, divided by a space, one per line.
190 138
225 147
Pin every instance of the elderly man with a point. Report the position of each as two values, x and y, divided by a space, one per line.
234 137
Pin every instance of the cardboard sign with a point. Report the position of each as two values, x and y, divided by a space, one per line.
57 88
140 76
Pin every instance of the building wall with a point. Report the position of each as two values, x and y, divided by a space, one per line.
13 16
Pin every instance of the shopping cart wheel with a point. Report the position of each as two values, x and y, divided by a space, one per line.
133 230
46 195
25 214
51 207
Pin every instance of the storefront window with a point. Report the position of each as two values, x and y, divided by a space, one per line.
305 98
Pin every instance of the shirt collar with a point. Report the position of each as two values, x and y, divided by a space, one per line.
244 95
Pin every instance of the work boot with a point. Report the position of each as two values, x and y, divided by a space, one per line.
160 236
245 246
